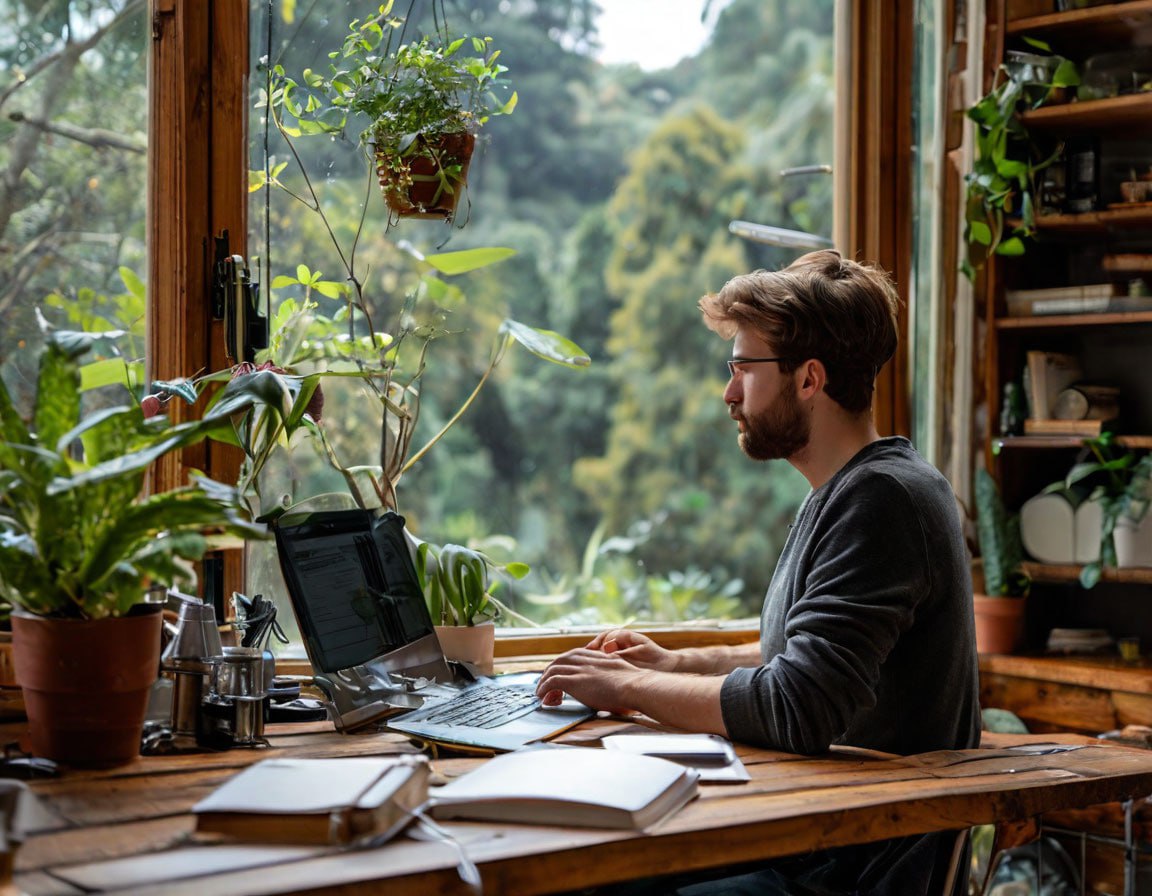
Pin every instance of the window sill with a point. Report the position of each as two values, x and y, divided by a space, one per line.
544 642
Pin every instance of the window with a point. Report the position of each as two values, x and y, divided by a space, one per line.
621 485
615 242
73 140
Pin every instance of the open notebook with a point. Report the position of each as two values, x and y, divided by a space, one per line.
370 638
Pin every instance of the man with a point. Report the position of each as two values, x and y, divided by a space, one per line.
866 633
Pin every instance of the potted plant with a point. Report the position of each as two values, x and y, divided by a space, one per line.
1121 482
458 587
998 600
422 101
79 545
1004 180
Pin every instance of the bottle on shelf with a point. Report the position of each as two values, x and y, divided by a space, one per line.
1082 174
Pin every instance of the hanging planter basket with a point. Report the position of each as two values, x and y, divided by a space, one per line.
426 180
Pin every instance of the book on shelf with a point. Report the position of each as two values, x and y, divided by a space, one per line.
1086 428
578 786
1059 299
1049 373
1072 300
316 801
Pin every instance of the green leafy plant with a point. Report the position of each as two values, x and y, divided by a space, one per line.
411 99
79 537
1001 550
458 584
1122 482
1000 205
307 346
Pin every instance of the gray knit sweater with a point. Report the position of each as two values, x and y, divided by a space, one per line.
866 632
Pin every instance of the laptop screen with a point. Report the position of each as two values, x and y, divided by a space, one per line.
353 586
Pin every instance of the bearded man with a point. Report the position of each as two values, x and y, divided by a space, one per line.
866 632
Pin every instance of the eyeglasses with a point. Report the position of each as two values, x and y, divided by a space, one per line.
733 363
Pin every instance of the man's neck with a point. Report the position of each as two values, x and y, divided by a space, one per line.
836 438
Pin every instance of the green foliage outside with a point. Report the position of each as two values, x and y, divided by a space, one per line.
622 485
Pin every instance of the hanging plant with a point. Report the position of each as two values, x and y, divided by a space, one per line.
1000 206
423 102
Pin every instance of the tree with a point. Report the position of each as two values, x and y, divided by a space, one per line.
72 152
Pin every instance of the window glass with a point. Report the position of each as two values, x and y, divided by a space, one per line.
73 150
642 130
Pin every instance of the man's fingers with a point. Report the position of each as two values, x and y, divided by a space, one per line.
552 697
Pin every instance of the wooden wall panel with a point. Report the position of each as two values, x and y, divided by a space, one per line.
198 161
880 177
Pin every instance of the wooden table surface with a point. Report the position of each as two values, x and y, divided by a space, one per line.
793 804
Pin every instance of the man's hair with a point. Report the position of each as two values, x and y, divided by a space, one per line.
821 306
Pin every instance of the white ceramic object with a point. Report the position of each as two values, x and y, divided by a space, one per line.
472 644
1048 530
1089 525
1133 542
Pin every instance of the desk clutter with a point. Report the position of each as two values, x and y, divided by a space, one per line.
212 696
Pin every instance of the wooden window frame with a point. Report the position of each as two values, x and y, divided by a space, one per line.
198 188
876 124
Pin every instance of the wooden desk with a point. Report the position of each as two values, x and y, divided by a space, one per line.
793 804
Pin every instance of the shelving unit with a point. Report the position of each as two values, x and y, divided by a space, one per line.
1115 347
1088 694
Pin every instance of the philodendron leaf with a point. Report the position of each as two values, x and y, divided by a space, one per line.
451 263
546 344
110 372
1012 246
74 343
1066 74
979 232
186 389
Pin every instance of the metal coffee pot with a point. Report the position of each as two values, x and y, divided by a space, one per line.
188 661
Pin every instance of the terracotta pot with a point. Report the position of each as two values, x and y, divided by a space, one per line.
86 684
999 623
424 196
473 644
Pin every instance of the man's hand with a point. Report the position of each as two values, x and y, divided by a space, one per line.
638 649
597 678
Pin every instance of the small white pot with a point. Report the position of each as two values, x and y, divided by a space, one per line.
1133 542
472 644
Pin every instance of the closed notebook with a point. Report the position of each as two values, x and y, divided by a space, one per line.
579 786
316 801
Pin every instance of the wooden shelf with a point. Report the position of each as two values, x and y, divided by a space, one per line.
1108 672
1099 221
1000 443
1130 115
1070 574
1111 26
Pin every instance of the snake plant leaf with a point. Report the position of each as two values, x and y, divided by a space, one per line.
546 344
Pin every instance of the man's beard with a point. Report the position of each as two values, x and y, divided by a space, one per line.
780 431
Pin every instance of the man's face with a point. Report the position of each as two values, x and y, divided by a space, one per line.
763 401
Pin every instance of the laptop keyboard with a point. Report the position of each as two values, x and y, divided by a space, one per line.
485 706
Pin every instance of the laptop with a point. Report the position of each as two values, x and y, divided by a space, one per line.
374 651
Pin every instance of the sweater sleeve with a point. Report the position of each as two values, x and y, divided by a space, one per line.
862 575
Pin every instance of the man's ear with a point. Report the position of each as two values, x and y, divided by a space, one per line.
811 377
